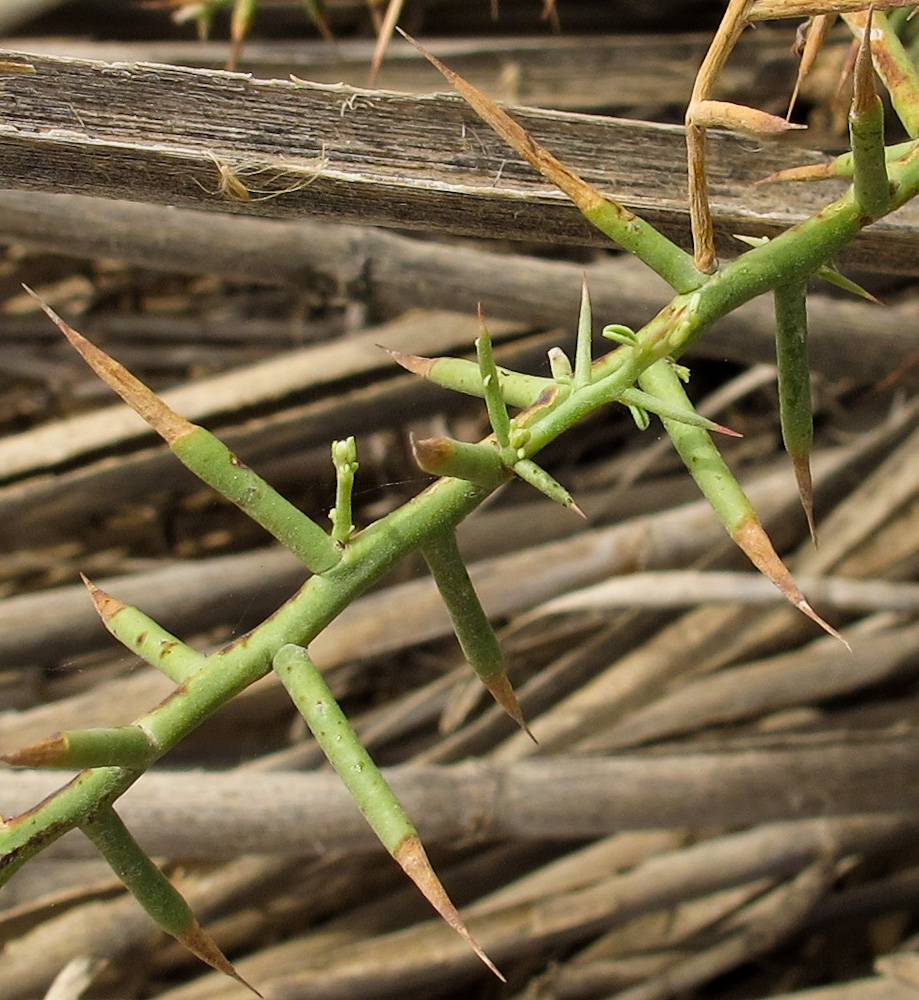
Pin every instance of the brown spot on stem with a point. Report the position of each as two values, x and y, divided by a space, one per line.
165 421
200 943
413 860
502 691
46 753
546 400
753 540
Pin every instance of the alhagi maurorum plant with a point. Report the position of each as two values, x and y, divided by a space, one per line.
640 372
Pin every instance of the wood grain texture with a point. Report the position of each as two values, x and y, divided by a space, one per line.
569 72
159 134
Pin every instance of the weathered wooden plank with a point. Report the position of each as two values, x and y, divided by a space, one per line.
570 72
178 136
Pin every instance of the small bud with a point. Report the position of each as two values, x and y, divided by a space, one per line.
560 365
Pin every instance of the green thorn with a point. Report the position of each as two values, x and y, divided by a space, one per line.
491 386
536 476
866 131
583 355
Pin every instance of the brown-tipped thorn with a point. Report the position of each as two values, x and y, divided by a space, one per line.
45 753
106 606
864 89
816 33
414 862
200 943
751 537
501 689
516 136
721 429
383 36
410 362
166 422
802 467
577 510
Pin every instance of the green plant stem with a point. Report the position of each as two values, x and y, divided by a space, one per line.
866 130
491 387
334 734
147 883
123 746
479 463
146 638
214 463
583 355
895 66
372 552
476 637
795 408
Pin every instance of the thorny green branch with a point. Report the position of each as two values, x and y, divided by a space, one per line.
348 562
375 550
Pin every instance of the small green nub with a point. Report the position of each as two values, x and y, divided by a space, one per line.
477 463
344 458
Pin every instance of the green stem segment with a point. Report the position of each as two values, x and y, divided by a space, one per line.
583 355
893 63
866 130
145 637
476 637
150 887
314 701
374 797
632 233
213 462
724 493
795 409
527 470
123 746
695 447
477 463
459 375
